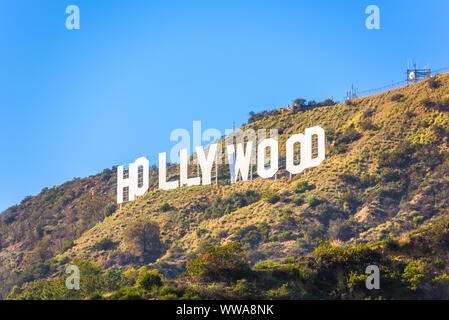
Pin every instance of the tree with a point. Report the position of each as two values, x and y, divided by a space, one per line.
299 105
299 102
144 236
164 207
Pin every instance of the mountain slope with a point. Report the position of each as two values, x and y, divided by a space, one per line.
385 175
375 198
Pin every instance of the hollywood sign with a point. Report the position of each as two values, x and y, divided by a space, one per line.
134 182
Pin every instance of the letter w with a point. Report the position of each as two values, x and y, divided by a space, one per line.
239 163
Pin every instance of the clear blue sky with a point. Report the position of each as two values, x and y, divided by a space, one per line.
76 102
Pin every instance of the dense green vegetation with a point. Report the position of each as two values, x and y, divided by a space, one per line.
413 268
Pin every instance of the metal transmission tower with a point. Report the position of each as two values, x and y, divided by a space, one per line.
414 75
352 93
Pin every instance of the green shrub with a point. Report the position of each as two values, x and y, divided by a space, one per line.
348 136
439 263
392 244
299 201
418 219
131 293
253 234
397 97
428 103
66 245
244 289
105 244
389 175
149 280
273 199
401 157
350 201
314 201
189 294
414 273
110 209
112 280
338 229
170 296
266 264
349 178
166 290
443 280
443 105
164 207
287 221
220 207
302 187
368 180
218 263
366 125
289 260
368 113
433 83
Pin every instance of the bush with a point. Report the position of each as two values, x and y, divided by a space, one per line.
112 280
299 201
443 105
401 157
253 117
164 207
368 180
433 83
219 263
389 175
66 245
253 234
348 136
149 280
244 289
414 273
366 125
350 201
273 198
289 260
349 178
439 263
368 113
287 221
105 244
131 293
397 97
302 187
428 103
313 202
266 264
110 209
300 105
338 229
220 207
418 219
392 244
168 293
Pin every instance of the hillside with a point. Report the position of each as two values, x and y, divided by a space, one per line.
386 175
